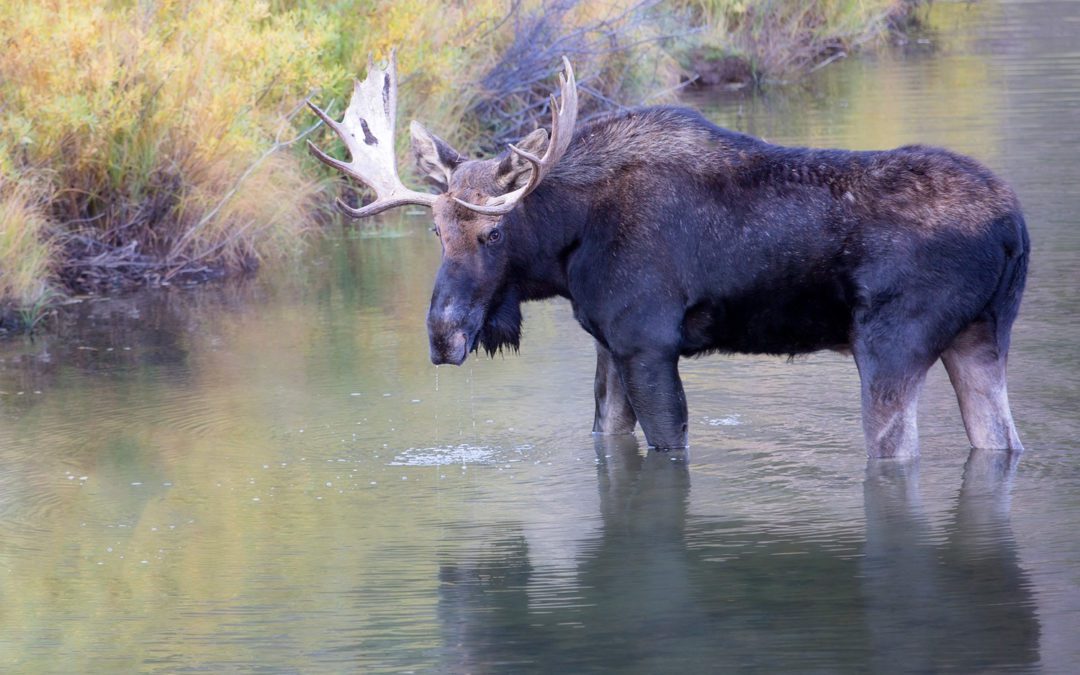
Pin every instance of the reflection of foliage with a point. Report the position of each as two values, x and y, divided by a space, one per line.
900 97
783 39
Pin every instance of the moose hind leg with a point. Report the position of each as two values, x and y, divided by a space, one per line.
614 414
976 363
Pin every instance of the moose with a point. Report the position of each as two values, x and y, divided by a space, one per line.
673 237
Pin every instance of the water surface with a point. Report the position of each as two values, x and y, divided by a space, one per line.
270 476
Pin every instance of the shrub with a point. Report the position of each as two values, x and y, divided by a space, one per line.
138 120
782 39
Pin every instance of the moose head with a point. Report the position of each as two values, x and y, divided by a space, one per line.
473 302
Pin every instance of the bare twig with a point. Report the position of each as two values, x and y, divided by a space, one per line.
184 240
514 91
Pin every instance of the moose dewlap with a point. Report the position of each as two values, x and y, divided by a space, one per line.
673 237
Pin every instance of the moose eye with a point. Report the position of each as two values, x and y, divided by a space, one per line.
494 236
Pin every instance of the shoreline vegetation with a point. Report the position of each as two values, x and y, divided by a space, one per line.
160 141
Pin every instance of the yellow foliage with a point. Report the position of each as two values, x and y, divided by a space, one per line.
25 248
136 113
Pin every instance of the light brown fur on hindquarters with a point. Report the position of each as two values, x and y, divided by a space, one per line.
976 367
890 423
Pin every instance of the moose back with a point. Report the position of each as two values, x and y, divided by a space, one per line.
673 237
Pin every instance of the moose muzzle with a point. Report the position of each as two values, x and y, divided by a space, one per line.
448 346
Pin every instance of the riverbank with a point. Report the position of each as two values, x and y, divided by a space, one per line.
160 143
775 41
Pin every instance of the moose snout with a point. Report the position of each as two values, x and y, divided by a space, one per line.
455 315
447 337
451 347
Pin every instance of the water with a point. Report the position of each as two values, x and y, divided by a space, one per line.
270 476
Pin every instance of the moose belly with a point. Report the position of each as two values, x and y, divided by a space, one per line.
773 321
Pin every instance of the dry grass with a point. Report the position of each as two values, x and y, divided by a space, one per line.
26 248
136 120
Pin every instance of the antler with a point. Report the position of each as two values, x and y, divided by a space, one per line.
368 132
563 121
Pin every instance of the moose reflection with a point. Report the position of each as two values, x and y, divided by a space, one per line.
658 589
964 602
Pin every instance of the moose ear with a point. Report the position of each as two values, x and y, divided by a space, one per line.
513 171
434 156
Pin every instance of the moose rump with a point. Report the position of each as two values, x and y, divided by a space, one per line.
673 237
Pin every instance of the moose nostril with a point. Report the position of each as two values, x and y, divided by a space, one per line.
449 347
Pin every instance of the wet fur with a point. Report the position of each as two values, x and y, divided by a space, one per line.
502 327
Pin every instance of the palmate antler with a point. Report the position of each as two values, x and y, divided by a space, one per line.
563 121
367 130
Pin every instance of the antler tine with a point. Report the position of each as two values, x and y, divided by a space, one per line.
367 129
563 121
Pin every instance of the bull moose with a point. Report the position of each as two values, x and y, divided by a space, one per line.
673 237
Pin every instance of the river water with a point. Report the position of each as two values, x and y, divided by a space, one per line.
270 476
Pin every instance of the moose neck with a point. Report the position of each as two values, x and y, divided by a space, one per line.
548 228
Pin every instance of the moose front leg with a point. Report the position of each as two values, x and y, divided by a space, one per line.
651 381
614 414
